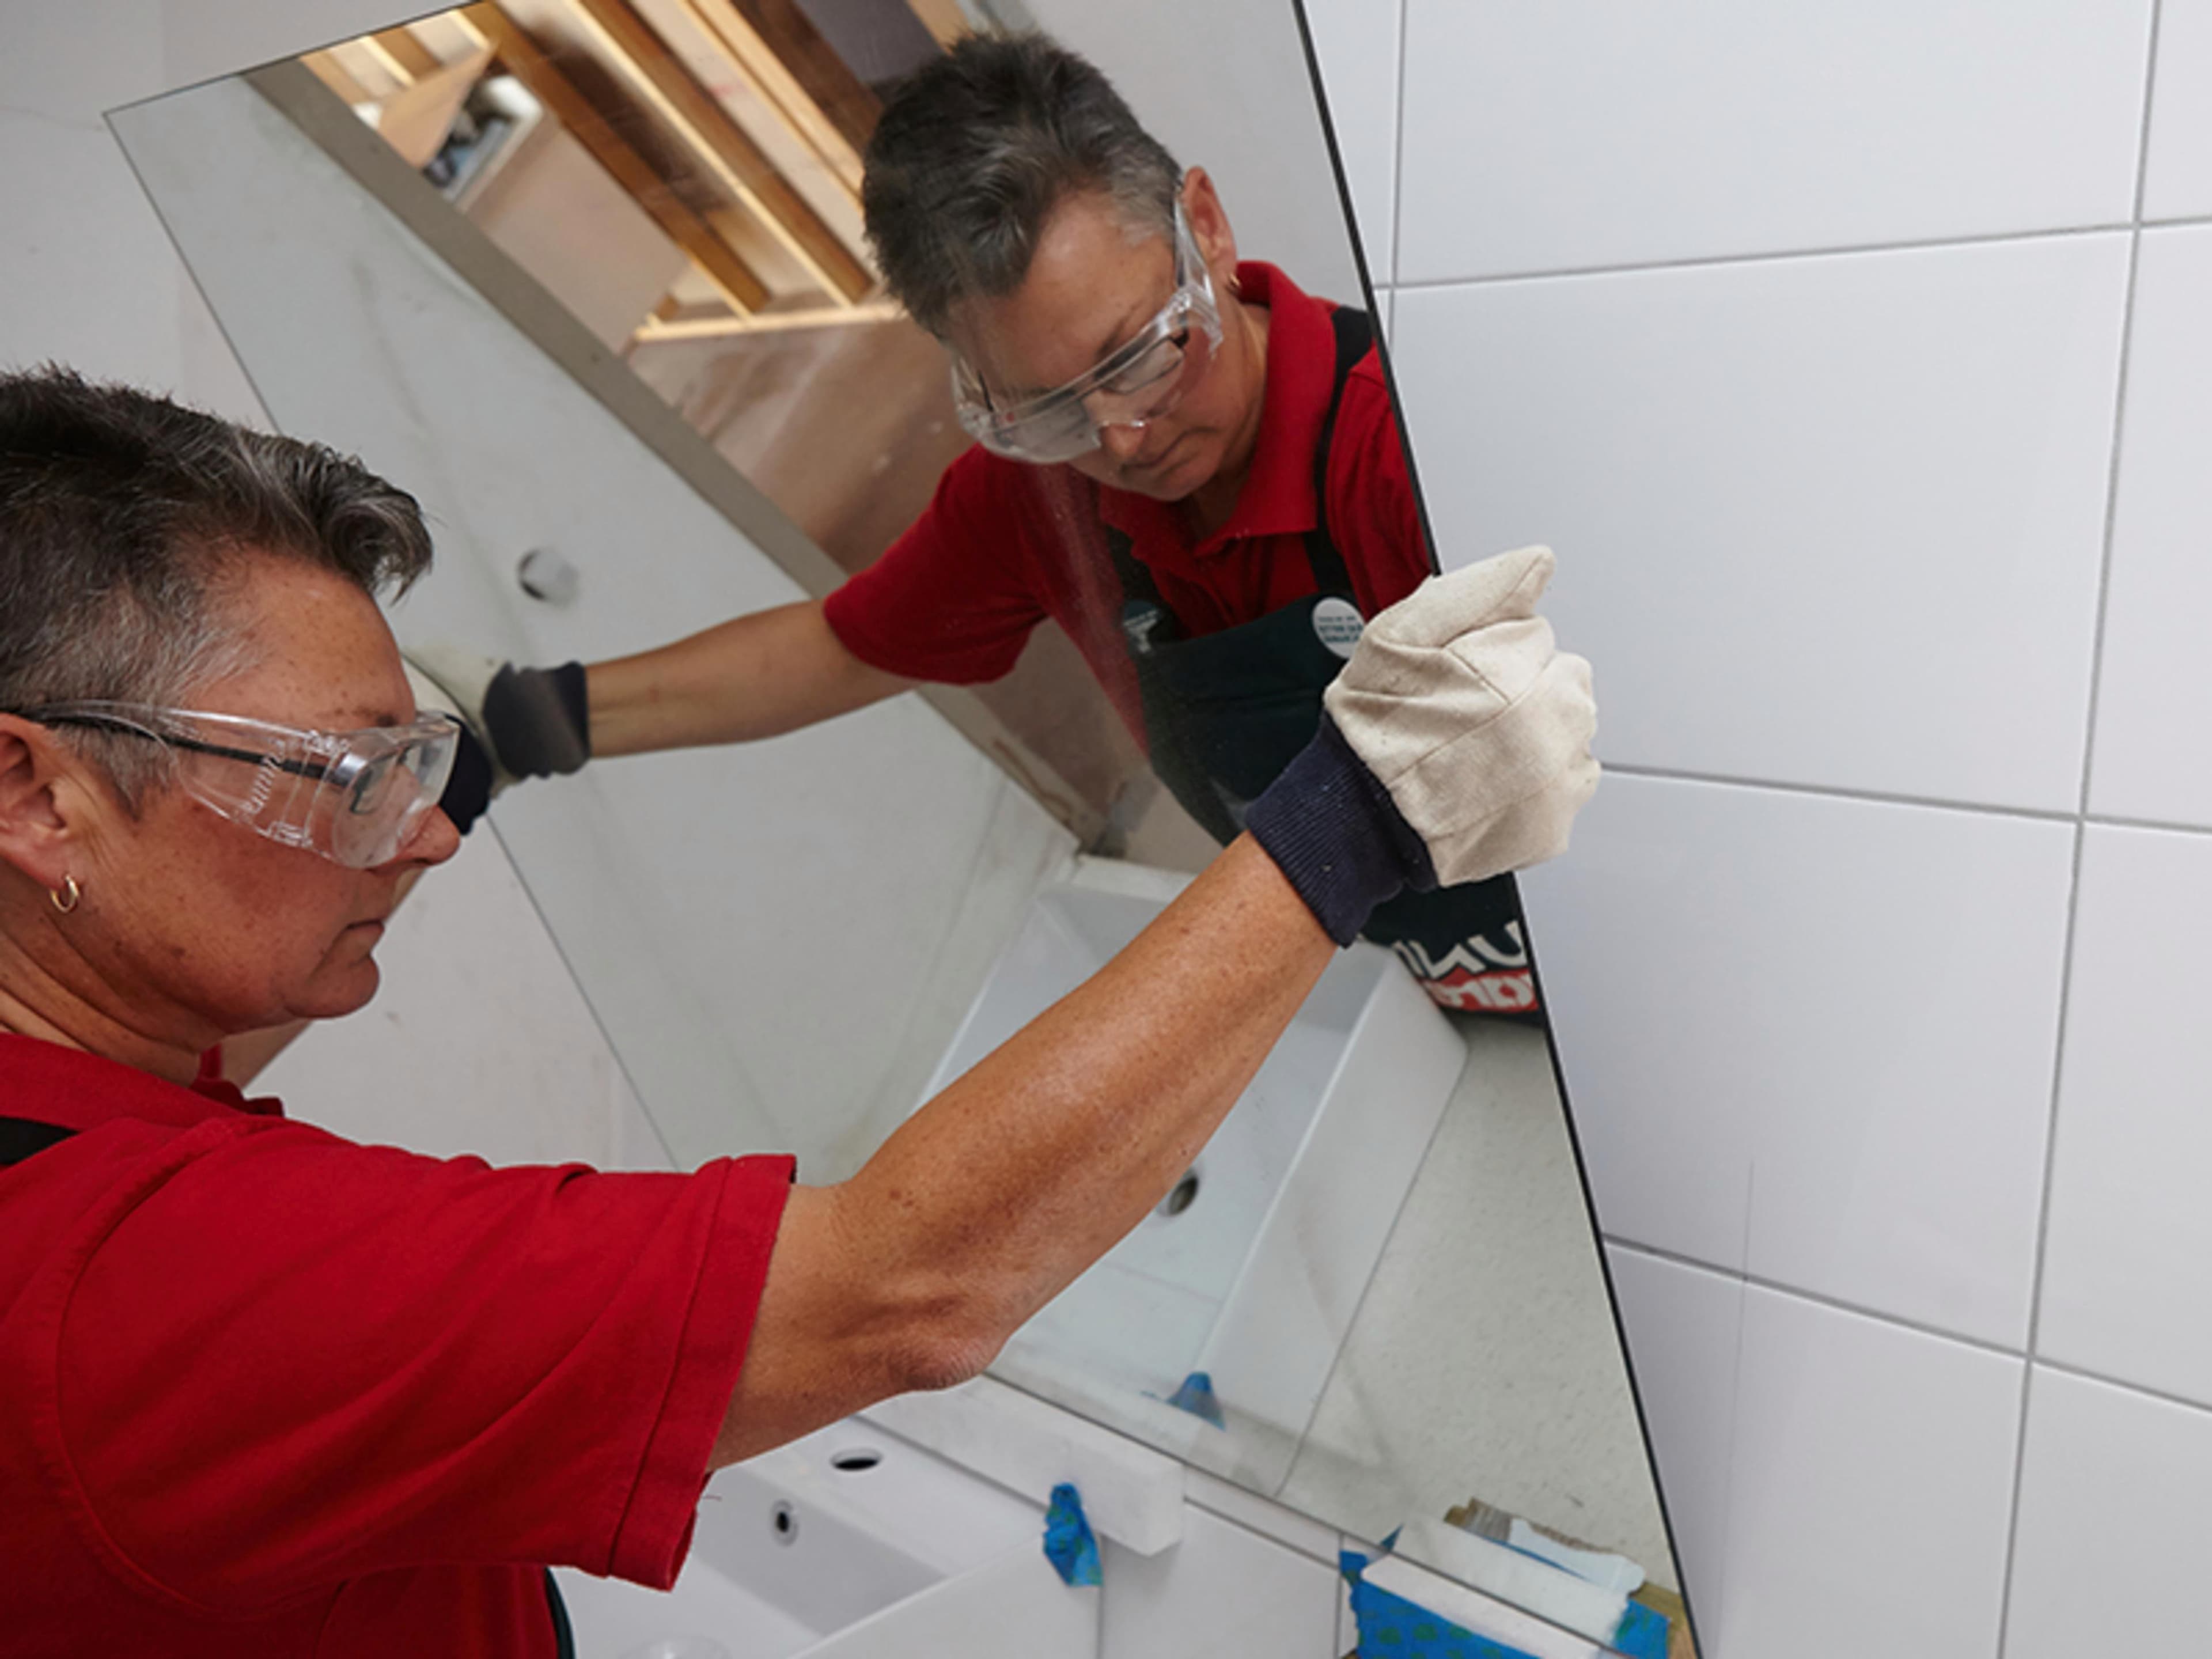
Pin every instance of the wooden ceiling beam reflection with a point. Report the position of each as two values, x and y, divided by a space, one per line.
778 43
942 18
332 73
724 148
410 59
674 325
732 277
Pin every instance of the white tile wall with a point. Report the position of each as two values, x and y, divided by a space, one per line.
2129 1271
2177 178
2110 1553
1357 42
1812 1037
66 198
72 64
1223 1593
1685 1327
2154 701
1870 1489
1837 526
202 39
1603 132
1832 520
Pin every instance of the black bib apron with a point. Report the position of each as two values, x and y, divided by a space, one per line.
1226 711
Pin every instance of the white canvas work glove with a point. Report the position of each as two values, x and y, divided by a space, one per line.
1455 746
1462 706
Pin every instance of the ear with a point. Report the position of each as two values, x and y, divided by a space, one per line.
40 802
1209 225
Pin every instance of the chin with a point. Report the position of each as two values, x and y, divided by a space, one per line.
337 991
1178 483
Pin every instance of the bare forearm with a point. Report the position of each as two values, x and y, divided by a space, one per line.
1059 1143
995 1196
755 676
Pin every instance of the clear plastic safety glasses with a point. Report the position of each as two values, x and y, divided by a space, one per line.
1133 385
354 797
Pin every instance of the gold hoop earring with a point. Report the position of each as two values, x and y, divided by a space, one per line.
69 898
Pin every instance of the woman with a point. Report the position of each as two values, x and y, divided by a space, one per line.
265 1391
1190 465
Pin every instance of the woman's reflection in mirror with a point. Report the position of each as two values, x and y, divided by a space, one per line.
1189 463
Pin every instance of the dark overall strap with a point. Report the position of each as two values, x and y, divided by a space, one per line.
564 1634
21 1138
1355 338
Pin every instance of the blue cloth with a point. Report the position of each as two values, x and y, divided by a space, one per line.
1642 1633
1196 1396
1068 1544
1391 1627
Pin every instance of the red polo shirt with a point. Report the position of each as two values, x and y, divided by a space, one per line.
1003 545
263 1391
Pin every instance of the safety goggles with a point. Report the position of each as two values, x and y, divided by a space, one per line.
1135 384
354 797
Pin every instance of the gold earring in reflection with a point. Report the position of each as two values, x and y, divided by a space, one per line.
69 897
1236 290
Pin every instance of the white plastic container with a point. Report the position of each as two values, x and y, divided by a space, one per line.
848 1544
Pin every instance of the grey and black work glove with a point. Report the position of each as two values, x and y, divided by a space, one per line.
516 723
1455 746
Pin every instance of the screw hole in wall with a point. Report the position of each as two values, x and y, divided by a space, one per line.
783 1521
1181 1196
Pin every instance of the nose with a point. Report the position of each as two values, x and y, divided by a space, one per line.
1122 441
431 841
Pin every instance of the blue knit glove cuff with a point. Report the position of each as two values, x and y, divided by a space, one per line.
1337 835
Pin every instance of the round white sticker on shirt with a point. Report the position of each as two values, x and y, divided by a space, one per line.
1338 622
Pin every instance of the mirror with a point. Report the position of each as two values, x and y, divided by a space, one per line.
589 278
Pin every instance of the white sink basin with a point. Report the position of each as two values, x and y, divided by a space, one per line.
849 1544
1253 1269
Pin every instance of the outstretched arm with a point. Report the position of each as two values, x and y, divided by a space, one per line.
989 1202
1458 746
755 676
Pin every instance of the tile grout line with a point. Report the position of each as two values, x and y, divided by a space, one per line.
2060 1367
1398 163
1735 1397
2070 934
2080 841
2083 1374
1819 1298
1890 798
1840 791
1836 251
2162 826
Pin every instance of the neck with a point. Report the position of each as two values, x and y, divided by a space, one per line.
40 997
1212 501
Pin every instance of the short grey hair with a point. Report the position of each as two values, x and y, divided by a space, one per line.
127 520
974 150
